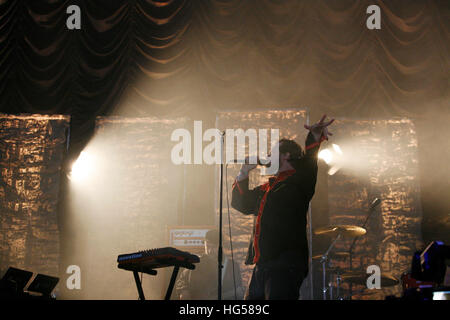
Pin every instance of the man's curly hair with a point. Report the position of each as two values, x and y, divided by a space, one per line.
294 149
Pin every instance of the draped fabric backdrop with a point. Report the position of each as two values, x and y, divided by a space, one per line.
180 58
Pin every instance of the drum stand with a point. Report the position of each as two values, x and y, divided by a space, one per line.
324 261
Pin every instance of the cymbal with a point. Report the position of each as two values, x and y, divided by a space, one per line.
358 277
333 255
347 231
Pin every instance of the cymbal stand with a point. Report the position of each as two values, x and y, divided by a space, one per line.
330 286
335 291
338 285
324 261
373 205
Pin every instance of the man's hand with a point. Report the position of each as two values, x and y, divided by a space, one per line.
245 170
247 167
320 129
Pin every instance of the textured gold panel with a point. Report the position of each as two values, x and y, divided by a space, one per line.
290 123
382 161
31 155
133 195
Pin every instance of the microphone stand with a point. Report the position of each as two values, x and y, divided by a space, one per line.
375 203
219 251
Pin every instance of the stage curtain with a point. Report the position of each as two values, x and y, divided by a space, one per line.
145 57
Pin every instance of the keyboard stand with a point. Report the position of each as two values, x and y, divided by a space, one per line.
152 272
138 285
172 282
176 267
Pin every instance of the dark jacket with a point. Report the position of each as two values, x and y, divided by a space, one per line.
283 218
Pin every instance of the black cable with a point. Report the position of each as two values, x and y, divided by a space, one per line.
229 230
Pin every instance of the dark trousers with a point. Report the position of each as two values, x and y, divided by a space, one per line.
276 281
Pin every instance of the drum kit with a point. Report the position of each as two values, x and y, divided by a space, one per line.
351 277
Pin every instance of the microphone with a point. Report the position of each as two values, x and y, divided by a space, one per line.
247 161
374 203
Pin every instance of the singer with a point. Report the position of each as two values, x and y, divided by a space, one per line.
278 247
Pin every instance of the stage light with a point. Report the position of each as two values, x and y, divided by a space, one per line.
337 149
332 157
326 155
83 167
